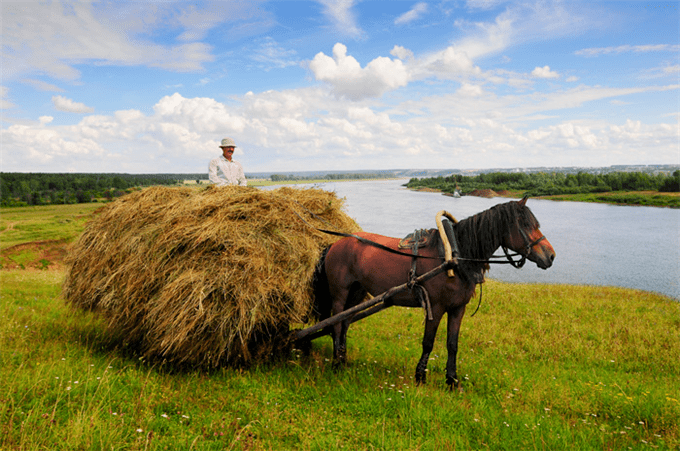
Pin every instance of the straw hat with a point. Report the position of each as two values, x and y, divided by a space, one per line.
227 142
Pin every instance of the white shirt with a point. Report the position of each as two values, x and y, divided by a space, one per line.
223 172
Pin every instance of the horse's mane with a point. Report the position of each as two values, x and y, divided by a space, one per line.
480 235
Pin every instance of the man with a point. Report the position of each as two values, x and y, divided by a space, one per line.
222 170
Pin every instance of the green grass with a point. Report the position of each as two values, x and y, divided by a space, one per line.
544 366
40 223
643 198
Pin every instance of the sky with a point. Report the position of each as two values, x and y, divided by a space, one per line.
152 87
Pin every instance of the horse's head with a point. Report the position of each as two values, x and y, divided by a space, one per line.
526 238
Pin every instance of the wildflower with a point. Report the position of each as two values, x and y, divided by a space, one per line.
140 431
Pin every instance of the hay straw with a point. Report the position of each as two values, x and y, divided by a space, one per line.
198 277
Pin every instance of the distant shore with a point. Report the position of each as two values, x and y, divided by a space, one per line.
630 198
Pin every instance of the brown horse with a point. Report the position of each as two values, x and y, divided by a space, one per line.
350 269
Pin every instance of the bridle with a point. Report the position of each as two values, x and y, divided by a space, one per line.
528 244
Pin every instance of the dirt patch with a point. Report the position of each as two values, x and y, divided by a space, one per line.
46 255
483 193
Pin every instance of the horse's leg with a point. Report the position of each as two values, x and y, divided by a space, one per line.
428 343
454 320
340 329
352 296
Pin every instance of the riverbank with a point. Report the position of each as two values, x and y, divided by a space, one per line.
630 198
267 182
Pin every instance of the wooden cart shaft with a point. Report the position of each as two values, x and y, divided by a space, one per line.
362 310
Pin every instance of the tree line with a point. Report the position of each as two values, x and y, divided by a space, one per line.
19 189
553 183
338 176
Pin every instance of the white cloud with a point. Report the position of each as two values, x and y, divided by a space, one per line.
544 72
349 79
452 61
271 55
63 104
596 51
484 4
80 32
413 14
310 128
401 53
41 85
4 103
468 90
340 13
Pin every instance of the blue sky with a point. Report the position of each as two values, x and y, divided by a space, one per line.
152 87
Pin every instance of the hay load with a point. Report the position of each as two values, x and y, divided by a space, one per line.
197 277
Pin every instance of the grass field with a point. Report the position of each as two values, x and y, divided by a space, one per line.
543 367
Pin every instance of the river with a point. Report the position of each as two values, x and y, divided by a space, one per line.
595 244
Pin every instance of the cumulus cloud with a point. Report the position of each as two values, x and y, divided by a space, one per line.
401 53
64 104
544 72
413 14
349 79
468 90
311 128
452 61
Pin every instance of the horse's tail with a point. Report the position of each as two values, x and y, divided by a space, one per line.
321 292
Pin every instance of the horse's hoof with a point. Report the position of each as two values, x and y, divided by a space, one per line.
421 378
339 364
305 346
454 384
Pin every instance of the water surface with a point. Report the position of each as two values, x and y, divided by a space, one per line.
595 244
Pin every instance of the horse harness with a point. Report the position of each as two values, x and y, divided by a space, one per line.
421 238
414 241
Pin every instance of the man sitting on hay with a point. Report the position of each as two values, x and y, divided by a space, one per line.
223 170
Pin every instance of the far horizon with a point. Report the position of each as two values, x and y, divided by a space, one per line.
613 168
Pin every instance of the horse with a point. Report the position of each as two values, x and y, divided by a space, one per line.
351 268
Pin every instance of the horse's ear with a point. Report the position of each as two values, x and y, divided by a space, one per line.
523 202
